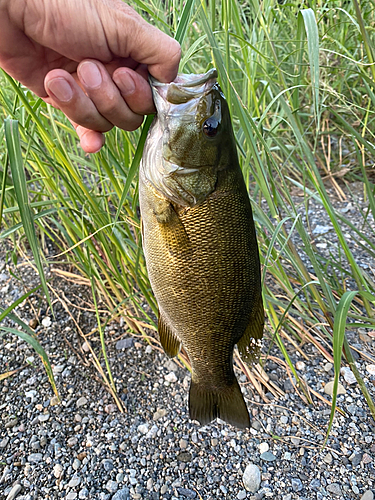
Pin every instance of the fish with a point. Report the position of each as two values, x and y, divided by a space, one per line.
200 244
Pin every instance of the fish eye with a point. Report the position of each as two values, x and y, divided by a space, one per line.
210 127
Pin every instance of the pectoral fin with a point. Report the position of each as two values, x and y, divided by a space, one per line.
171 344
173 231
249 343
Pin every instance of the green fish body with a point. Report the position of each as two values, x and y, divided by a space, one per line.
200 244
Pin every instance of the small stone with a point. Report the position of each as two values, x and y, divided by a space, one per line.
76 464
184 457
54 401
355 459
366 459
111 408
35 458
214 442
320 230
297 484
328 458
328 388
84 493
348 375
150 483
124 343
251 478
371 369
86 347
187 493
335 489
263 447
108 465
123 494
71 496
143 428
315 484
367 495
287 455
57 471
14 492
75 481
328 367
300 365
11 423
111 486
33 323
4 442
164 489
183 444
81 402
44 417
267 456
241 495
160 413
46 321
171 377
295 440
72 441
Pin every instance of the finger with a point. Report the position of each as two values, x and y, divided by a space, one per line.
135 89
67 95
107 98
91 141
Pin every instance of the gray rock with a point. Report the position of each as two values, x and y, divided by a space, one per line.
367 495
335 489
267 456
297 484
35 458
187 493
111 486
14 492
328 388
71 496
75 481
315 484
81 402
356 458
4 442
84 493
124 343
108 465
241 495
251 478
123 494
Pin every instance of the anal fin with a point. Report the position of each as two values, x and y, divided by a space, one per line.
169 341
249 344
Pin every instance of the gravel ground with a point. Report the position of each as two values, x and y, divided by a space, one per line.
85 448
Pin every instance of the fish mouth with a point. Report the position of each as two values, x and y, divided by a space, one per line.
183 89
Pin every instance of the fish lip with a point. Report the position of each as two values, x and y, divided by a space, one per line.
182 90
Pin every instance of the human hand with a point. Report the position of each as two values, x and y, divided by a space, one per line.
88 58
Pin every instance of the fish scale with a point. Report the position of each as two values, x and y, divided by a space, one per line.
202 259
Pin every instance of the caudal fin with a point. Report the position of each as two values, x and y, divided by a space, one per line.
227 404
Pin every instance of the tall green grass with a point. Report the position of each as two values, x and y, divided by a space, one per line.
296 78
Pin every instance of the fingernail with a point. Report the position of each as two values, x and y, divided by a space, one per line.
61 89
125 82
90 74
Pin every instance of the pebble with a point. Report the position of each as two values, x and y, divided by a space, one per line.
335 489
143 428
75 481
72 441
263 447
111 486
76 464
14 492
297 484
183 444
57 471
367 495
348 375
241 494
328 388
46 321
123 494
300 365
355 459
72 495
160 413
84 493
283 419
328 367
328 458
124 343
35 458
81 402
187 493
371 369
267 456
251 478
4 442
171 377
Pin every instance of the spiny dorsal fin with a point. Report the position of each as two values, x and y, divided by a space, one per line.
171 344
249 343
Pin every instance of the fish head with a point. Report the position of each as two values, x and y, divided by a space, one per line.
191 138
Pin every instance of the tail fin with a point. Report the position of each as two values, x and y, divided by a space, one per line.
227 404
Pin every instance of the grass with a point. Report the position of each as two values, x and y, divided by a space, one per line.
299 80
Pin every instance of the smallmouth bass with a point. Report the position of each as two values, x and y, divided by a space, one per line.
199 242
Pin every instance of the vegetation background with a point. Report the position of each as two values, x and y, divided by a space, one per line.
299 79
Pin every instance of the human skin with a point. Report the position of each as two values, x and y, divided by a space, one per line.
88 58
